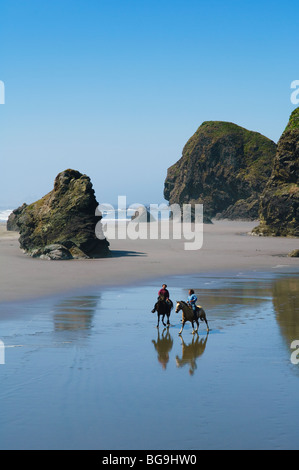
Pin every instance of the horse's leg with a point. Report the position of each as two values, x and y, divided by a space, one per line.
163 319
168 315
183 324
203 317
197 326
158 319
206 321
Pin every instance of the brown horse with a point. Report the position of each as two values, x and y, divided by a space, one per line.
188 315
163 308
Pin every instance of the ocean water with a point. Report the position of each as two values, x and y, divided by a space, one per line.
90 370
4 214
109 215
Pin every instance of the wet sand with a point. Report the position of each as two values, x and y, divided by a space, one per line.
93 372
227 247
84 367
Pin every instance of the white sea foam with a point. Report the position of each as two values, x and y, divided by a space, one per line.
4 214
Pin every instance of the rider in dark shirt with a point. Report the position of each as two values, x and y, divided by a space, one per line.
164 292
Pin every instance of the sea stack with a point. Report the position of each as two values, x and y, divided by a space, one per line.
62 224
224 167
12 222
279 208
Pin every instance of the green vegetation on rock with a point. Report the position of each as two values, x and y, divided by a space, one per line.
223 166
279 207
61 225
294 121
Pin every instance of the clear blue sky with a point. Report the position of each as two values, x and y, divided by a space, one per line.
115 88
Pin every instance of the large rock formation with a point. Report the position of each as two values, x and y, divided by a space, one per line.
279 208
223 166
62 224
12 222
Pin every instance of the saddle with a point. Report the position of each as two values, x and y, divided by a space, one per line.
197 307
167 301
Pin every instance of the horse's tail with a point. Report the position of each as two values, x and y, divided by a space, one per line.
202 316
201 313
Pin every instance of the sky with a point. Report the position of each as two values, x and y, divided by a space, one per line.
115 88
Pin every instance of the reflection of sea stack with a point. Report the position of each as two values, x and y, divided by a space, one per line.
75 313
286 305
62 224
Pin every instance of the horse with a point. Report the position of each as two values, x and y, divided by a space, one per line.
163 308
188 315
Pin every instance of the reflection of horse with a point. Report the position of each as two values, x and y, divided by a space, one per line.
191 352
163 346
163 308
188 315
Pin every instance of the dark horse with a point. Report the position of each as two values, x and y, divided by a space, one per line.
163 308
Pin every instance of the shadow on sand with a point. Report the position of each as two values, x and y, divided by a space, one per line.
123 253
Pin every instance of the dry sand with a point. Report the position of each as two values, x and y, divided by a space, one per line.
227 247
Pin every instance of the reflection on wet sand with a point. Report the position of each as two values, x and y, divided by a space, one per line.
75 313
163 346
286 306
191 352
227 302
234 294
85 372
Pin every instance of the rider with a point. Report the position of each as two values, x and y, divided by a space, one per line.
164 293
191 301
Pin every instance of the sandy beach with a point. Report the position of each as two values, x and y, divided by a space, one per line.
85 367
226 247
